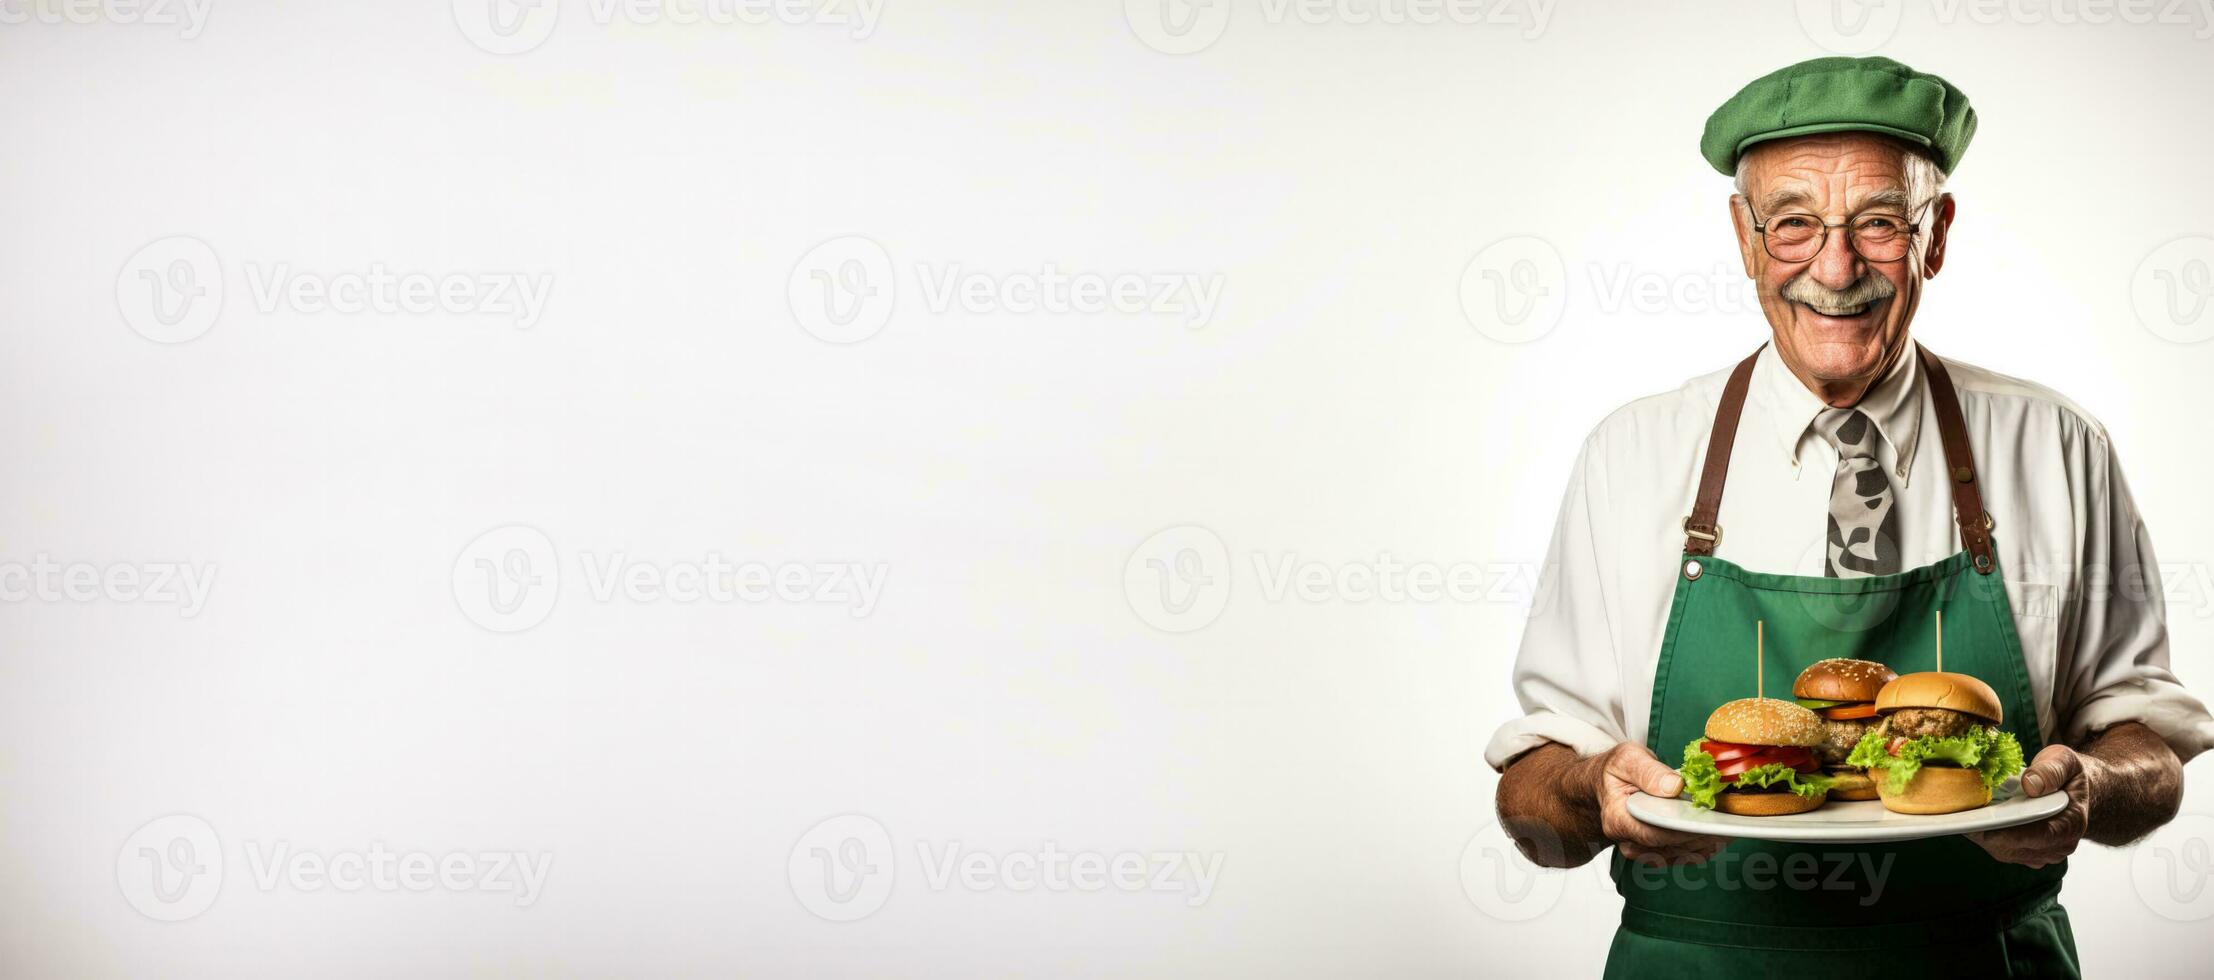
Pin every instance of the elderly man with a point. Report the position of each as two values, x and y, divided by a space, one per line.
1865 476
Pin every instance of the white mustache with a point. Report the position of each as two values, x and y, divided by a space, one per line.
1865 290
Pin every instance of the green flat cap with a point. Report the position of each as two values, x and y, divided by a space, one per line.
1835 95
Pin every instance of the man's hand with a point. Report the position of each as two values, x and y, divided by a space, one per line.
2120 787
2057 769
1562 811
1625 770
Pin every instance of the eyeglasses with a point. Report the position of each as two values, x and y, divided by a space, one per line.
1796 236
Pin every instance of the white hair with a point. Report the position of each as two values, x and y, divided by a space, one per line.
1923 178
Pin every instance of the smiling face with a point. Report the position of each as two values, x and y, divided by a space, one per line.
1840 319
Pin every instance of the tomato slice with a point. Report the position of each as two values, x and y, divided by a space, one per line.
1725 751
1849 712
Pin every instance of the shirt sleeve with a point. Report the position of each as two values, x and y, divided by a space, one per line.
1565 674
2114 663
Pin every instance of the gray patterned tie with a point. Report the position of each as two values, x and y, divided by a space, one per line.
1864 527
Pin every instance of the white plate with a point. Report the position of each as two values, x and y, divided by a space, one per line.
1851 822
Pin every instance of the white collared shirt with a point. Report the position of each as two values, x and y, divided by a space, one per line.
2078 564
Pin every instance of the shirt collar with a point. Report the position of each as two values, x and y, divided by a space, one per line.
1894 404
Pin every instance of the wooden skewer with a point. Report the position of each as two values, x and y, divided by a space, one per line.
1941 641
1760 640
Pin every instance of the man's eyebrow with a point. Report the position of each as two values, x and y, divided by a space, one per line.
1894 198
1785 198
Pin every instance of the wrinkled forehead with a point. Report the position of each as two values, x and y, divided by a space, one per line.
1838 173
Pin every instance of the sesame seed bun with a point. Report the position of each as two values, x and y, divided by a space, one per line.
1838 679
1931 689
1764 721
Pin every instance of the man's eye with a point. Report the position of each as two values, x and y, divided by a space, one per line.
1881 222
1794 222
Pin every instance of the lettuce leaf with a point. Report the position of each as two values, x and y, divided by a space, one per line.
1701 779
1992 753
1703 782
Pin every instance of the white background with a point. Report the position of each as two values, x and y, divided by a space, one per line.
1003 468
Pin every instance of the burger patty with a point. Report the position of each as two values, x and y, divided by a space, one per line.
1838 739
1917 722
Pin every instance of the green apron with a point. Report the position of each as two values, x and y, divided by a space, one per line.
1934 907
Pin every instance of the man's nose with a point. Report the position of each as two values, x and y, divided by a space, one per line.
1836 266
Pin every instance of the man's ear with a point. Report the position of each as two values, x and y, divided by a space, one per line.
1741 218
1941 223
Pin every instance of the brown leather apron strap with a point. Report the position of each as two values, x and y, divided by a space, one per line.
1701 533
1960 464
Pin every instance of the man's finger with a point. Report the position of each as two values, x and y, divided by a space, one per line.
2051 771
1642 770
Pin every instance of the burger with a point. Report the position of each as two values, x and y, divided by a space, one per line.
1843 693
1938 747
1757 760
